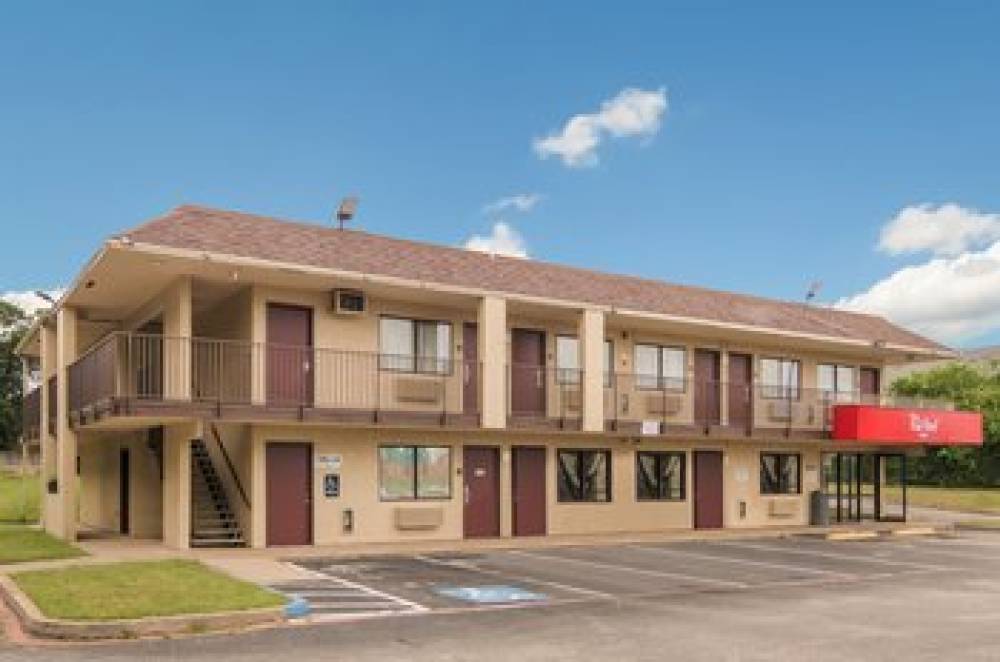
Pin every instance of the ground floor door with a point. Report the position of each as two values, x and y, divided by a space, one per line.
481 479
708 501
528 490
865 486
289 493
124 490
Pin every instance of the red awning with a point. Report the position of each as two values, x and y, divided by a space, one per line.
895 425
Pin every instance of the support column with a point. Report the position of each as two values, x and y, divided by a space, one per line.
177 338
258 349
47 435
258 492
591 334
63 522
177 484
493 354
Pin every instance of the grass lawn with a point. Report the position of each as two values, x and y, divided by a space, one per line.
137 589
971 500
20 543
19 497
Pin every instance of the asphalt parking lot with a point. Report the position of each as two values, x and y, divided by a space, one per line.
762 599
391 585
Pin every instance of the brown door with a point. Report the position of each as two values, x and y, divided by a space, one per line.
527 372
289 355
740 391
869 385
708 489
289 494
481 478
470 369
707 376
528 490
124 489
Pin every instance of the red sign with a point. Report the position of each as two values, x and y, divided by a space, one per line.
933 427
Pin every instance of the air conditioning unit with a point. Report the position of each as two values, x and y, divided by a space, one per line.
349 302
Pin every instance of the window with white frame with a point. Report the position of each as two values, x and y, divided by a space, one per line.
408 473
409 345
780 378
568 369
658 367
837 382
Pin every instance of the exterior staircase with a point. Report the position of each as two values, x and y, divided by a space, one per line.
213 522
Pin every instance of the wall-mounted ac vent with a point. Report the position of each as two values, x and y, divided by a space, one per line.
349 302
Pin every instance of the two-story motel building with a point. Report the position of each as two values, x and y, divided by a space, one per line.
218 378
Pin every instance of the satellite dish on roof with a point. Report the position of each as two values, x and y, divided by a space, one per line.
346 211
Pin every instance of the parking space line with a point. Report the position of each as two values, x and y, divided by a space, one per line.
831 555
956 553
412 606
723 583
465 565
762 564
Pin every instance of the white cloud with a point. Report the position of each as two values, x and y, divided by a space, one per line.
948 229
633 112
522 202
30 302
503 240
950 298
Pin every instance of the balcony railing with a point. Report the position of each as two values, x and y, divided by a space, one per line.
542 396
31 408
128 372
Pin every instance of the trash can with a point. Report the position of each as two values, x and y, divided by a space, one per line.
819 511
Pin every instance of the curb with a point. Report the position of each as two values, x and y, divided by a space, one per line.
37 624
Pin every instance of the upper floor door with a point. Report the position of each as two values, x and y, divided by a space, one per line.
707 377
527 372
869 378
740 390
289 355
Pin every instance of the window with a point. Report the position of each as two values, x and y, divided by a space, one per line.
568 369
659 476
780 378
584 475
836 382
414 472
779 473
415 345
659 367
567 360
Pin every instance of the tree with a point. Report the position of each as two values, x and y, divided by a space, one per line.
13 324
971 388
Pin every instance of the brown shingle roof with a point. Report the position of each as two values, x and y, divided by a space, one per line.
246 235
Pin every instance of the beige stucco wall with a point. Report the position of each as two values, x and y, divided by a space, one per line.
99 484
374 520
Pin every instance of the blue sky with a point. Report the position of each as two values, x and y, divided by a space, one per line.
791 136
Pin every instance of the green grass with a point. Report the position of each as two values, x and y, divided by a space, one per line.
19 498
138 589
19 544
971 500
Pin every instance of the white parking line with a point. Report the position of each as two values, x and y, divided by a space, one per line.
760 564
412 606
830 555
527 579
628 569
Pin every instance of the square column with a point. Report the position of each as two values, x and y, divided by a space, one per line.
47 434
493 355
177 341
591 334
177 484
61 521
258 492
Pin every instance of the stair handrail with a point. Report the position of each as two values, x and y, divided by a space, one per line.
229 464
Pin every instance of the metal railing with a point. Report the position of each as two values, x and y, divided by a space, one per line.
138 367
539 392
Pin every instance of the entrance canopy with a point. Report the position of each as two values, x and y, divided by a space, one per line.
900 425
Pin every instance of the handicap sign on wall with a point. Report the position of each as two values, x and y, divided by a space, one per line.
493 594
